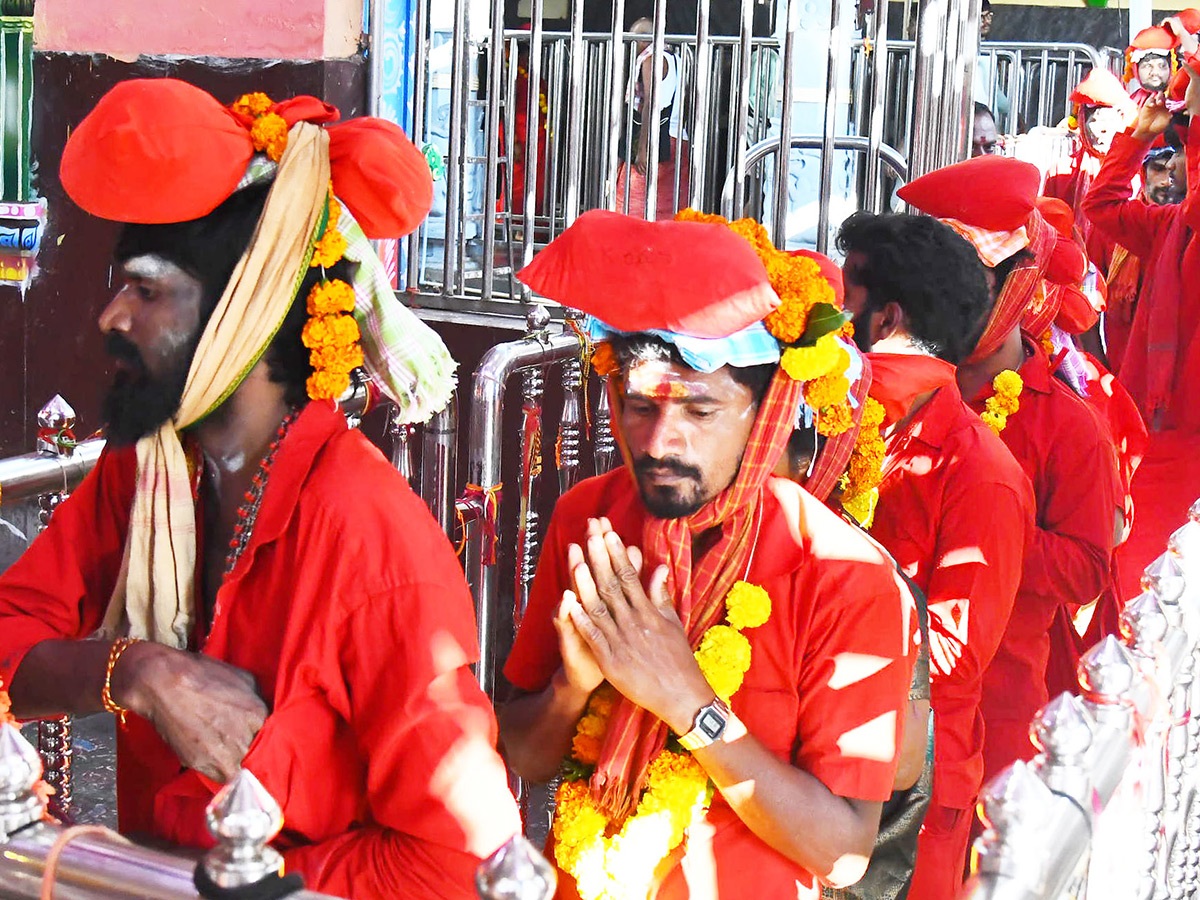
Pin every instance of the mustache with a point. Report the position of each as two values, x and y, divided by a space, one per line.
123 350
647 464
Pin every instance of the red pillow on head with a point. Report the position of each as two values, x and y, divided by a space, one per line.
992 192
153 151
689 278
830 270
1156 37
1190 19
380 175
1103 88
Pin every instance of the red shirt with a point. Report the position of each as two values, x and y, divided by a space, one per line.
956 511
829 672
1069 457
349 608
1143 229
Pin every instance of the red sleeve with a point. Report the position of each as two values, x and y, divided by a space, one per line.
436 788
1068 562
1133 224
975 576
1191 206
60 586
854 682
535 656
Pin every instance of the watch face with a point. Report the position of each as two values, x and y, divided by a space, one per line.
711 722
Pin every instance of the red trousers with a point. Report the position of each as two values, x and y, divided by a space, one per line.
941 854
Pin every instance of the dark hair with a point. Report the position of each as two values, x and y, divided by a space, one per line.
208 249
928 270
637 348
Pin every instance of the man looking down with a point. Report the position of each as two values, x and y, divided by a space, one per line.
236 547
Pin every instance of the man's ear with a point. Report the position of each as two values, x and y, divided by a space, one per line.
891 321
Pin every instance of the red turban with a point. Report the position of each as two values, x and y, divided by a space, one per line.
1102 88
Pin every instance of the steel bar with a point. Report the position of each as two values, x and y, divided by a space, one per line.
878 103
783 156
554 137
700 121
533 112
25 477
575 112
420 88
455 169
964 82
491 126
741 103
439 470
929 69
485 440
375 57
533 389
650 108
616 102
829 124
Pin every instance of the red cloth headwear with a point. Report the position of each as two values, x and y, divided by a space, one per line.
1102 88
691 278
1061 300
160 150
700 280
1155 39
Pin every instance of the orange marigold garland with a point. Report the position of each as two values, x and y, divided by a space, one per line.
860 485
269 132
331 333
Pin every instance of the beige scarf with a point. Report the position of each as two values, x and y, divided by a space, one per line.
153 598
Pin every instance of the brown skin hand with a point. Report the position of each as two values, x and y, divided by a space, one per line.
612 628
207 711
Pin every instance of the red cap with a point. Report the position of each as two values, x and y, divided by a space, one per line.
1103 88
996 193
160 150
689 278
153 151
830 271
1156 37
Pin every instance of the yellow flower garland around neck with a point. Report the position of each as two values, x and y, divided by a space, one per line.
860 483
620 864
1004 402
331 333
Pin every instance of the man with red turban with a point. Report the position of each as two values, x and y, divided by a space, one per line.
915 288
1059 442
231 580
695 619
1161 364
1150 62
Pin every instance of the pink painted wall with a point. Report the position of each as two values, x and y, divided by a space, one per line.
271 29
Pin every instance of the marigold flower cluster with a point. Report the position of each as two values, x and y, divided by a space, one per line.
860 484
269 131
1004 402
807 363
331 333
253 105
619 864
604 360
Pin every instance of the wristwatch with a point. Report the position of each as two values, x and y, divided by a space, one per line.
708 726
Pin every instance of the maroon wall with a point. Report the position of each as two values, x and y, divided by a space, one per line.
48 339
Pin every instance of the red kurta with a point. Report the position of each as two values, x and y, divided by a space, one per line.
956 512
1068 455
379 745
1169 478
829 672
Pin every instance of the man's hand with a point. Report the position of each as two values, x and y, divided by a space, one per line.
207 711
641 160
1188 43
635 636
1153 118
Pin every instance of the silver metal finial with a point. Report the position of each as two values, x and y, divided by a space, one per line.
1144 622
1194 511
20 769
57 413
1185 543
1165 576
242 818
1064 730
517 871
537 318
1008 804
1106 672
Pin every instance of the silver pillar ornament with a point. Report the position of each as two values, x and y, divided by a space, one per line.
20 770
517 871
243 818
1011 846
1064 730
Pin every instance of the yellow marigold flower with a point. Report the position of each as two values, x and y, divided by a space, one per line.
724 658
270 133
1005 403
862 506
806 363
604 360
826 390
330 297
592 725
602 701
873 415
799 283
344 330
747 605
255 104
336 359
585 748
335 211
993 421
1008 382
329 249
694 215
327 385
835 420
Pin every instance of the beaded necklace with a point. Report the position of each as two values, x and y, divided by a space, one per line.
247 513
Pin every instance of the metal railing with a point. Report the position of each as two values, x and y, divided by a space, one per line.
1029 84
1109 807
